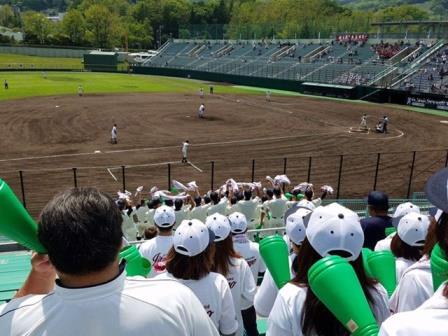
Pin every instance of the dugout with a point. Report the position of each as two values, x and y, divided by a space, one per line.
101 61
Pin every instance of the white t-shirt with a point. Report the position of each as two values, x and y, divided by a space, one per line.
114 130
431 319
286 315
401 265
384 244
243 288
218 208
185 148
277 209
156 250
214 293
414 288
200 212
249 209
129 228
250 252
267 292
121 307
181 215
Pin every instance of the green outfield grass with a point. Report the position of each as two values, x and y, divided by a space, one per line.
31 84
23 61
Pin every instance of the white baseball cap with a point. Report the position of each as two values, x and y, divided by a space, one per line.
335 230
306 204
164 216
238 223
191 238
413 228
402 210
295 225
220 226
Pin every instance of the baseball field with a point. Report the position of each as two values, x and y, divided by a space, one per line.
47 130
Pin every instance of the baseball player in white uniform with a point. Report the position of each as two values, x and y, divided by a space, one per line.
185 151
114 134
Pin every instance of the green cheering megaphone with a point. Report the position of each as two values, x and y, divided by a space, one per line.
439 267
15 222
274 251
346 301
135 263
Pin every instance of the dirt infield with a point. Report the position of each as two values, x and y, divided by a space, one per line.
47 137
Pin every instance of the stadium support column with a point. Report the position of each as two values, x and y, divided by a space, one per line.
169 176
446 159
341 161
378 158
22 187
253 171
123 176
411 174
212 182
75 178
310 162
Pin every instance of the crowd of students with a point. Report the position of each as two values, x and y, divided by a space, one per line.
205 270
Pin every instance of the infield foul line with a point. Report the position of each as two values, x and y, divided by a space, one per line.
168 147
195 167
113 176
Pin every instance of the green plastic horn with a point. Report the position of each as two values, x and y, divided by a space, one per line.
135 263
15 222
382 267
274 251
346 300
389 230
365 253
439 267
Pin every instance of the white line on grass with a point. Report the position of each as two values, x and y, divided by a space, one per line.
113 176
195 167
168 147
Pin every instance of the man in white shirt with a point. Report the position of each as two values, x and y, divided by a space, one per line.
199 211
276 208
92 295
114 134
157 248
185 151
248 207
201 111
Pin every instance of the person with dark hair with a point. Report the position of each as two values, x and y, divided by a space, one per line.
199 211
415 285
233 267
249 207
401 210
408 243
219 204
169 202
81 231
150 233
431 318
232 206
181 210
332 230
375 225
156 249
276 209
295 234
190 261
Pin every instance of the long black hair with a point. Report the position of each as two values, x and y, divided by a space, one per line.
316 318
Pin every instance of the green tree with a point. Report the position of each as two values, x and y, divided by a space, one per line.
102 26
7 17
36 26
440 7
74 26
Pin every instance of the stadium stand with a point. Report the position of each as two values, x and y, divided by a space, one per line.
418 67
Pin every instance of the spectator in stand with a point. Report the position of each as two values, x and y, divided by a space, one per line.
248 207
297 311
407 244
91 289
219 205
250 252
190 261
182 212
156 249
233 267
374 226
431 318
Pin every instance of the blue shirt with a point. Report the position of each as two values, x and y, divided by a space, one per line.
374 229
